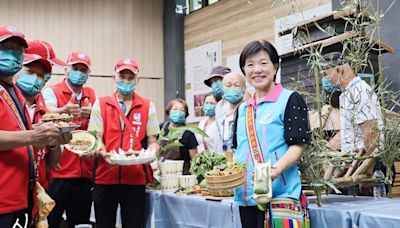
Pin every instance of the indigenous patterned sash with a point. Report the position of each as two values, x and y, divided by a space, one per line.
280 212
252 136
11 106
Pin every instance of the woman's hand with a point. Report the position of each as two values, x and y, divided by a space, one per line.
274 173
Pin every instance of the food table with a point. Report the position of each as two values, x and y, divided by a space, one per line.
171 210
362 212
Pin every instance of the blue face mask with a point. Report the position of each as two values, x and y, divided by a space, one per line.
126 88
10 63
177 117
328 87
233 96
47 77
209 109
29 84
217 88
77 78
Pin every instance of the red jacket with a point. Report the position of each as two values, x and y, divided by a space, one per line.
14 163
114 137
40 153
72 166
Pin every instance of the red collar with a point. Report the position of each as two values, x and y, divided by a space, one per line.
272 96
40 105
65 87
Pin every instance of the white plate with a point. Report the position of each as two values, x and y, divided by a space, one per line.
80 133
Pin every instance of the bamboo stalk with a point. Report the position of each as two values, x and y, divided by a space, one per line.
365 166
354 164
390 178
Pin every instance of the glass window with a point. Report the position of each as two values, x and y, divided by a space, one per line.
198 4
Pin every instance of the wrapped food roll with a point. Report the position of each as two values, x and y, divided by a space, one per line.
262 189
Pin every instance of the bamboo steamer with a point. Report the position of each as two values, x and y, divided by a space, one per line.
227 182
220 193
225 178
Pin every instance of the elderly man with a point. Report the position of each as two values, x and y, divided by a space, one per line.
360 111
17 137
128 121
234 86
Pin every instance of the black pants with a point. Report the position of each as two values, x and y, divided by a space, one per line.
131 198
251 217
75 197
8 220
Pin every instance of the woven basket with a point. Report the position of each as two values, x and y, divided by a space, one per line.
220 193
224 183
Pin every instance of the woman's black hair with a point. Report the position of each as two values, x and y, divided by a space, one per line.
208 95
171 104
255 47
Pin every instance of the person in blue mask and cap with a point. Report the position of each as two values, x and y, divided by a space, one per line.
361 120
17 135
215 80
128 121
72 182
177 111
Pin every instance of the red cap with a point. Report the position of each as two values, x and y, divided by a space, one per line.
11 31
45 50
29 58
78 57
127 64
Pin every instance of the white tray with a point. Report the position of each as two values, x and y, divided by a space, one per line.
145 158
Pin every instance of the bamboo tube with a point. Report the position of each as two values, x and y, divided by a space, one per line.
359 177
354 165
339 172
365 166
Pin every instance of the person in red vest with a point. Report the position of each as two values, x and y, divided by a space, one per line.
38 60
128 121
30 80
17 179
71 183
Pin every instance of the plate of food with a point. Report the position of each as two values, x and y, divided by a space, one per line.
63 121
82 142
131 157
56 117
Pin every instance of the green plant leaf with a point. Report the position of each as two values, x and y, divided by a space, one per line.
171 145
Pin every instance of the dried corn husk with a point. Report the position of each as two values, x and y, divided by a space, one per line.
45 205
